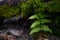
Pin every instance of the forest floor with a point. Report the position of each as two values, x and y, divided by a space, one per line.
48 37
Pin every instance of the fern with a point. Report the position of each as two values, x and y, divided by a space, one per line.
38 24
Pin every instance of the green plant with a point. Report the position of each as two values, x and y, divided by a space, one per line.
38 24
